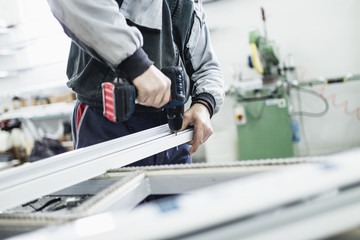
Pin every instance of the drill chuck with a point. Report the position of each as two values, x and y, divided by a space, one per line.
175 117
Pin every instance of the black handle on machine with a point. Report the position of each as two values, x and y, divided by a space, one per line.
119 98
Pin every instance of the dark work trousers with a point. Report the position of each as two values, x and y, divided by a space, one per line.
89 127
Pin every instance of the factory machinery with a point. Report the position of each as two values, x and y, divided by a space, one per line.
84 194
267 112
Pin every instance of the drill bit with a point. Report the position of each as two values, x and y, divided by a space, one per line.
177 147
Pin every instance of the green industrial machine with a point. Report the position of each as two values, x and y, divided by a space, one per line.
262 114
267 124
263 124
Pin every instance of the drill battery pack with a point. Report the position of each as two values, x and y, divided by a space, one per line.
118 100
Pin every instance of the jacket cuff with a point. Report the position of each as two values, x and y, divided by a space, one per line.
208 98
135 65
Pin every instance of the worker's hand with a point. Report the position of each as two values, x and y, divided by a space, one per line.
199 117
153 88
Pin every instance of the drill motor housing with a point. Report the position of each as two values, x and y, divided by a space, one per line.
175 107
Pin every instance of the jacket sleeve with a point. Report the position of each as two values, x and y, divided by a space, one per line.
100 29
207 76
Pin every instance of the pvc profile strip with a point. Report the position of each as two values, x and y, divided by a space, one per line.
136 183
297 201
27 182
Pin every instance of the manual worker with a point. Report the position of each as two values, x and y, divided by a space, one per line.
137 38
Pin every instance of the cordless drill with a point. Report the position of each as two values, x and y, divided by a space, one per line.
119 99
175 107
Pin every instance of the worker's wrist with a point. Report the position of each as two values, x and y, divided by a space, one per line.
207 100
135 65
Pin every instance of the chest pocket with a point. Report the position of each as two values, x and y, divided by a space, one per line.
145 13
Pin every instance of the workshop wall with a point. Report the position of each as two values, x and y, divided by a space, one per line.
34 51
323 39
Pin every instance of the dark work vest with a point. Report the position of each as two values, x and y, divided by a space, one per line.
86 71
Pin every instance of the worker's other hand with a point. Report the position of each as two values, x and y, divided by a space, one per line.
199 117
153 88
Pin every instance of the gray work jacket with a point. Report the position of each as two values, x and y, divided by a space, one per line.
127 36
